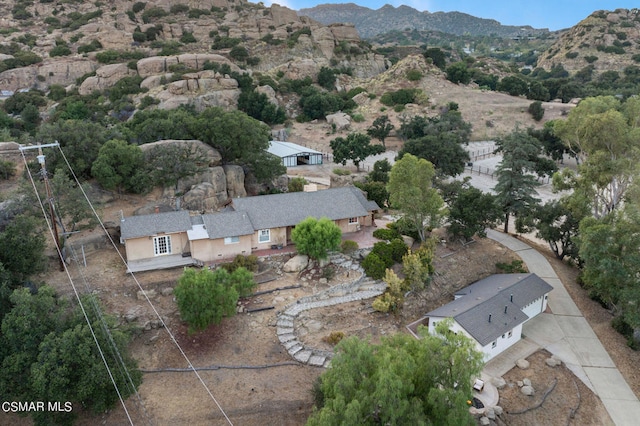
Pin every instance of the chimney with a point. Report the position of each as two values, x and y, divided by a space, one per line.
489 317
157 209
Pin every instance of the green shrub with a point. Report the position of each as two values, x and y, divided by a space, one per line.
386 234
178 8
348 246
334 337
239 53
297 184
341 172
197 13
147 101
373 266
405 227
398 249
358 118
7 169
187 38
591 59
250 263
60 50
138 6
153 13
571 55
515 267
536 110
636 57
57 92
414 75
328 272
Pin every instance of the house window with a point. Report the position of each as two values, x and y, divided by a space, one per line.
264 235
494 344
231 240
353 220
510 333
162 245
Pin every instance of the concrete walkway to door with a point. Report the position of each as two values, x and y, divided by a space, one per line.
566 333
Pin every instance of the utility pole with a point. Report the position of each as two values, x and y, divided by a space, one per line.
52 208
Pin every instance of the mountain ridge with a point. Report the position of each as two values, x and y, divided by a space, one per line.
370 22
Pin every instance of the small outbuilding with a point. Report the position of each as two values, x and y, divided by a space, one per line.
293 154
492 311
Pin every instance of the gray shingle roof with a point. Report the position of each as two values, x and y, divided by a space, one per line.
153 224
228 224
277 210
490 296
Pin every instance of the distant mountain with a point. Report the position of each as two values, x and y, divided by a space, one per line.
371 22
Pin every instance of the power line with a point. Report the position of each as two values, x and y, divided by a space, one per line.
84 313
112 345
144 293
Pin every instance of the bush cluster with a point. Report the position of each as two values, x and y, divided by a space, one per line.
250 263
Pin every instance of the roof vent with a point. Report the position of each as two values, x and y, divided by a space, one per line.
489 317
505 309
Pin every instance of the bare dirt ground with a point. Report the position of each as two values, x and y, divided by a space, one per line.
560 397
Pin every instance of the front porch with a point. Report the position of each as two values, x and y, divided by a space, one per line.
160 262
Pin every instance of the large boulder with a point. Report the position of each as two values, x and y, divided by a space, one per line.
106 76
235 180
198 149
160 64
204 197
341 120
296 263
205 191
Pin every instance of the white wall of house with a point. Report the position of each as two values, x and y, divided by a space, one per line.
502 343
536 307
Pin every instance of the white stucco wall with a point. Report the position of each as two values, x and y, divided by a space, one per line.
502 343
536 307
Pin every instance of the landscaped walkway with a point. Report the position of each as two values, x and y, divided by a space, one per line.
566 333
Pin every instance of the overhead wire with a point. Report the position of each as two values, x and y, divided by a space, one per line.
144 293
115 351
117 356
66 269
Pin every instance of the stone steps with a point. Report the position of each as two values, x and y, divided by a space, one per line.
360 289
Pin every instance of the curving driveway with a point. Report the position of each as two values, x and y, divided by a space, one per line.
566 334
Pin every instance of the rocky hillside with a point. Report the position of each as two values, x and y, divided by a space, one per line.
60 42
371 22
607 41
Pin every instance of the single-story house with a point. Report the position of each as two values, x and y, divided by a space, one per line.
492 311
293 154
165 240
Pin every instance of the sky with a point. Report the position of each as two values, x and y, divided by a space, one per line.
552 14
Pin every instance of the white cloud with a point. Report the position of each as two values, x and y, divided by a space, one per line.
285 3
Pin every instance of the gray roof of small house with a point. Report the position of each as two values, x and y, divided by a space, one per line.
153 224
279 210
228 224
289 149
502 296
